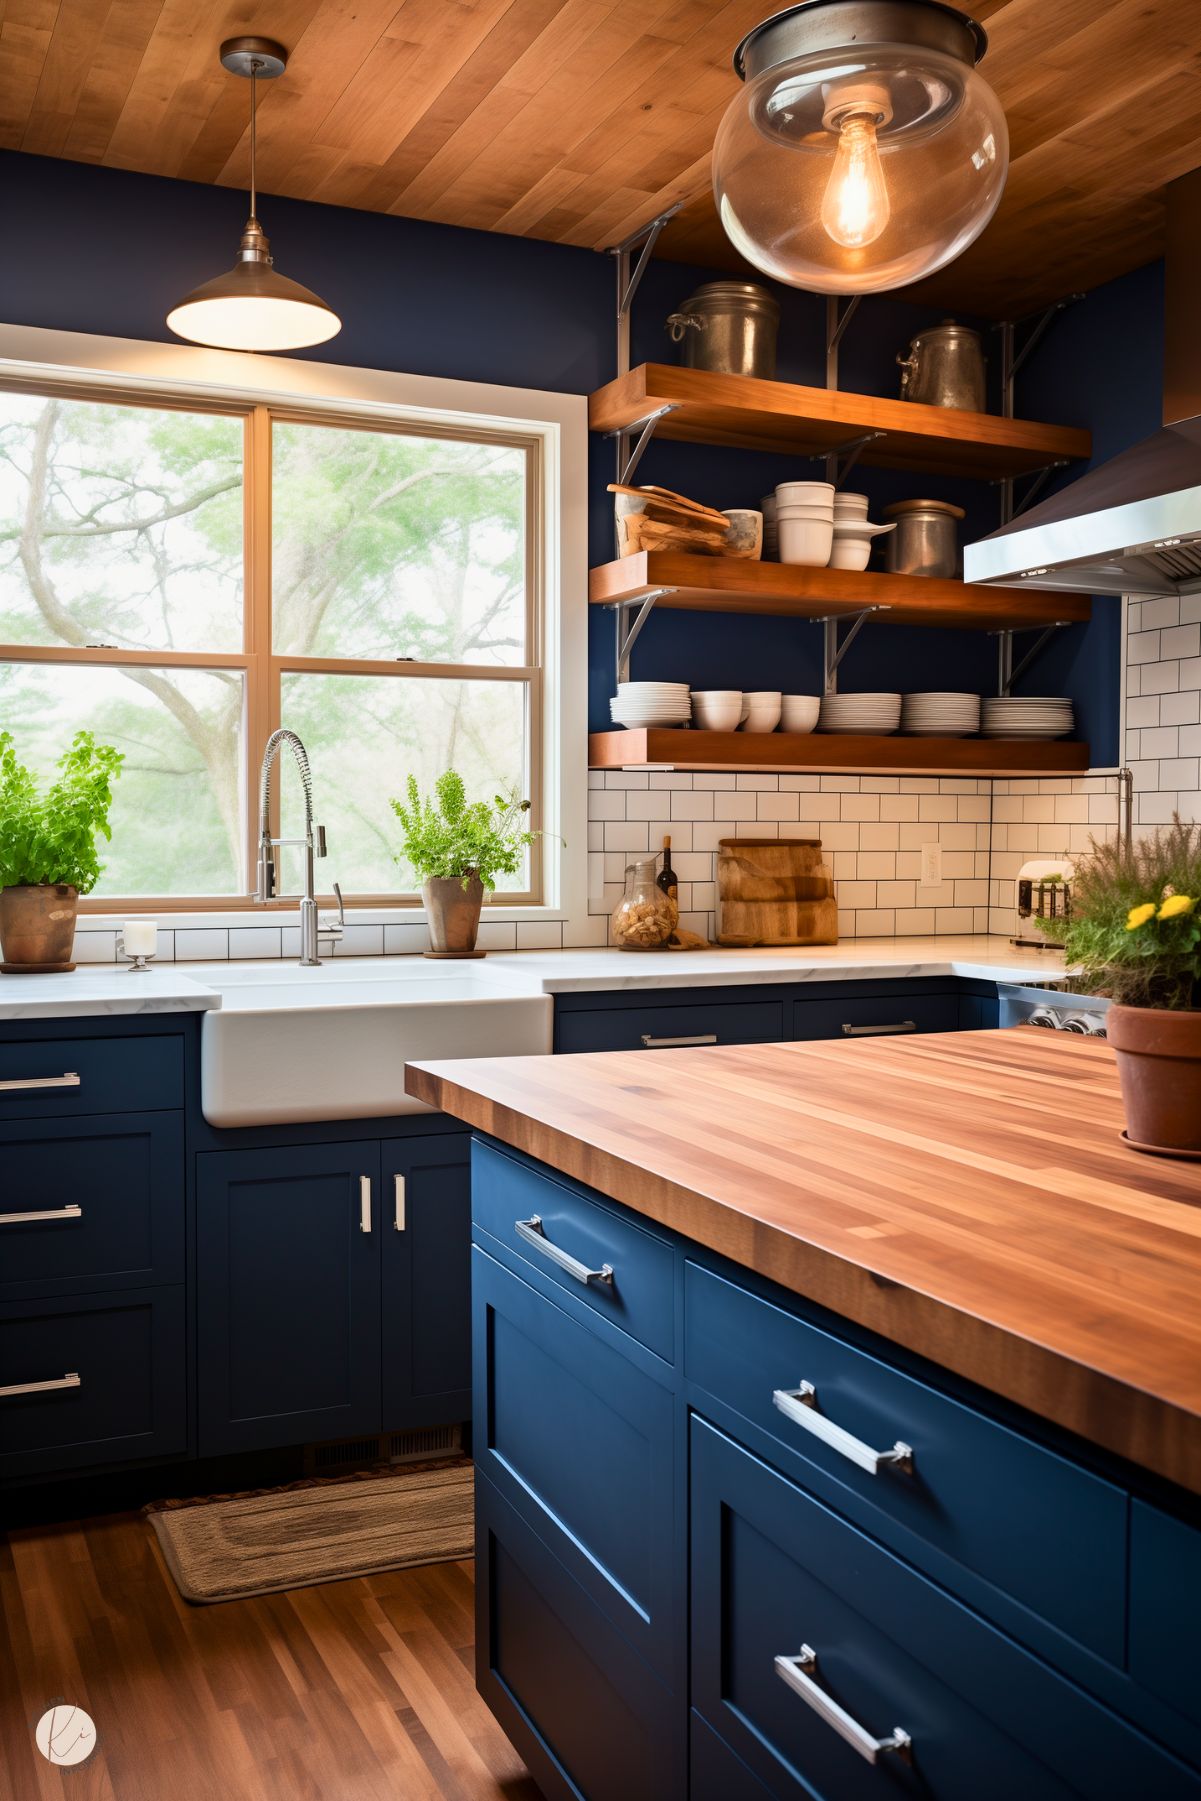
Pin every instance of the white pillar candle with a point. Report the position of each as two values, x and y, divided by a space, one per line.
141 937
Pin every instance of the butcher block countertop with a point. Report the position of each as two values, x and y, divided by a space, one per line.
966 1195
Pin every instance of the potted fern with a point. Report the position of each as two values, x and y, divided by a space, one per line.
457 848
48 852
1135 935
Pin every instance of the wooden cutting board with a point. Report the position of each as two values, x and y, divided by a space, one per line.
774 891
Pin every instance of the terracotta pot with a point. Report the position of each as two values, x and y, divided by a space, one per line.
453 913
1159 1065
37 926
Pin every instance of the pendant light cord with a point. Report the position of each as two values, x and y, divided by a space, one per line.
255 66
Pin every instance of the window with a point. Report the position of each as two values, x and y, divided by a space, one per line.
181 579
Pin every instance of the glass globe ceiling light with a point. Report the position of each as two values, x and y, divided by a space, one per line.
251 307
864 150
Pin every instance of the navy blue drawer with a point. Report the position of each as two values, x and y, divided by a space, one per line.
1165 1600
88 1204
57 1078
587 1715
866 1015
127 1351
1038 1528
626 1028
715 1773
640 1298
581 1442
775 1571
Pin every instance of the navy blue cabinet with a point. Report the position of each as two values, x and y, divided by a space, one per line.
332 1290
287 1295
425 1237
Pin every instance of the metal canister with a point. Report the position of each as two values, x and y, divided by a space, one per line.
945 367
728 327
925 541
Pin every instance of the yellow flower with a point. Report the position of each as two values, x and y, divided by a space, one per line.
1174 906
1138 916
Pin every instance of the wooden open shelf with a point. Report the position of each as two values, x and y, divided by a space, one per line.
676 748
731 585
749 414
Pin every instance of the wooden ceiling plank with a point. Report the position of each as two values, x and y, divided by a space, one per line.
23 50
118 56
73 42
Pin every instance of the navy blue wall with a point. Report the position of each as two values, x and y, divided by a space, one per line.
106 251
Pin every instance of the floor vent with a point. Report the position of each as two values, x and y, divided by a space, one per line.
387 1447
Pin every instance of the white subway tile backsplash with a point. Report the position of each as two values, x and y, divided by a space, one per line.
209 944
255 941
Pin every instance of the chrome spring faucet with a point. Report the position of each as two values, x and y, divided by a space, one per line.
312 929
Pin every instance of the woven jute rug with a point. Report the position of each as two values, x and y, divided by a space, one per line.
223 1547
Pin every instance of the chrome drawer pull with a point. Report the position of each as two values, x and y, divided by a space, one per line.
398 1205
364 1203
40 1388
534 1232
795 1672
23 1083
73 1211
675 1044
800 1406
900 1025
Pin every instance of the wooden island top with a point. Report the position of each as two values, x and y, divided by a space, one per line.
966 1195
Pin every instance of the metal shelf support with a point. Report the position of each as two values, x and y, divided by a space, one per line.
850 451
629 458
832 651
1013 358
629 617
630 273
1007 673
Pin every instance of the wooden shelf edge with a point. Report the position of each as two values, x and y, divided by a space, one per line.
734 585
745 412
672 748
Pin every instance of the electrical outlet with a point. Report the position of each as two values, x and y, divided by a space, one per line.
932 865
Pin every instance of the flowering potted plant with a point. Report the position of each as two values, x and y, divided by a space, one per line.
48 850
1135 934
457 848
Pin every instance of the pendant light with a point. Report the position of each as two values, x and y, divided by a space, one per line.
252 307
864 150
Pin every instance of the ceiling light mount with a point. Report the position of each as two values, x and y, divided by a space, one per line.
252 307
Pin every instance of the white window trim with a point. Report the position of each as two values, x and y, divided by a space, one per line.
559 420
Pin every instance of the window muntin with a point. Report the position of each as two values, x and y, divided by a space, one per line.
260 572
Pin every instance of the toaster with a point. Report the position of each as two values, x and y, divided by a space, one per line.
1043 890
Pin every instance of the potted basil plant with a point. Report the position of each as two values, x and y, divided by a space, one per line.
1135 934
457 848
48 850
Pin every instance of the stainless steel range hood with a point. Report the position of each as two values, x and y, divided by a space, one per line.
1133 526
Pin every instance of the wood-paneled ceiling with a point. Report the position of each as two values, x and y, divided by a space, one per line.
576 120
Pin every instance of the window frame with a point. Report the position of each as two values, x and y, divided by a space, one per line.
323 395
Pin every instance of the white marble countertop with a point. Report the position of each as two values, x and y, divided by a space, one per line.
92 993
88 993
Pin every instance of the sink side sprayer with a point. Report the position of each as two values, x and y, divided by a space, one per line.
312 929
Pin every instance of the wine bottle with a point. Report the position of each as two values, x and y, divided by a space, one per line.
666 877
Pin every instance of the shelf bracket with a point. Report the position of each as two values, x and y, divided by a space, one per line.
850 451
628 459
833 651
1013 359
1007 673
629 276
838 318
629 618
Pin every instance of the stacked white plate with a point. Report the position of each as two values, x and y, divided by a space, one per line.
1026 716
651 703
873 715
940 715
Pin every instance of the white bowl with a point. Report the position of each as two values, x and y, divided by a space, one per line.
801 512
850 503
850 553
799 712
806 541
724 717
762 711
807 493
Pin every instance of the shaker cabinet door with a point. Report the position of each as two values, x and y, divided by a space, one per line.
425 1238
288 1295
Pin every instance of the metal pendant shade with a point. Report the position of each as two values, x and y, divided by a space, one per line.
251 306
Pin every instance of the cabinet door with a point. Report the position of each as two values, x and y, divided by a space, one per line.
288 1289
425 1235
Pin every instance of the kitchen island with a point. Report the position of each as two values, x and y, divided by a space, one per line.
838 1421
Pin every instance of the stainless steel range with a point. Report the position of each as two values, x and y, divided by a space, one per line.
1054 1009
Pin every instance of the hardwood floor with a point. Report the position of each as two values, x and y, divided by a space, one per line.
352 1691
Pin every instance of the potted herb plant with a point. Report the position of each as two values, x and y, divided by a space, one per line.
1135 934
48 850
457 848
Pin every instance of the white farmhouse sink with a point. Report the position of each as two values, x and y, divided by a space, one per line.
292 1044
